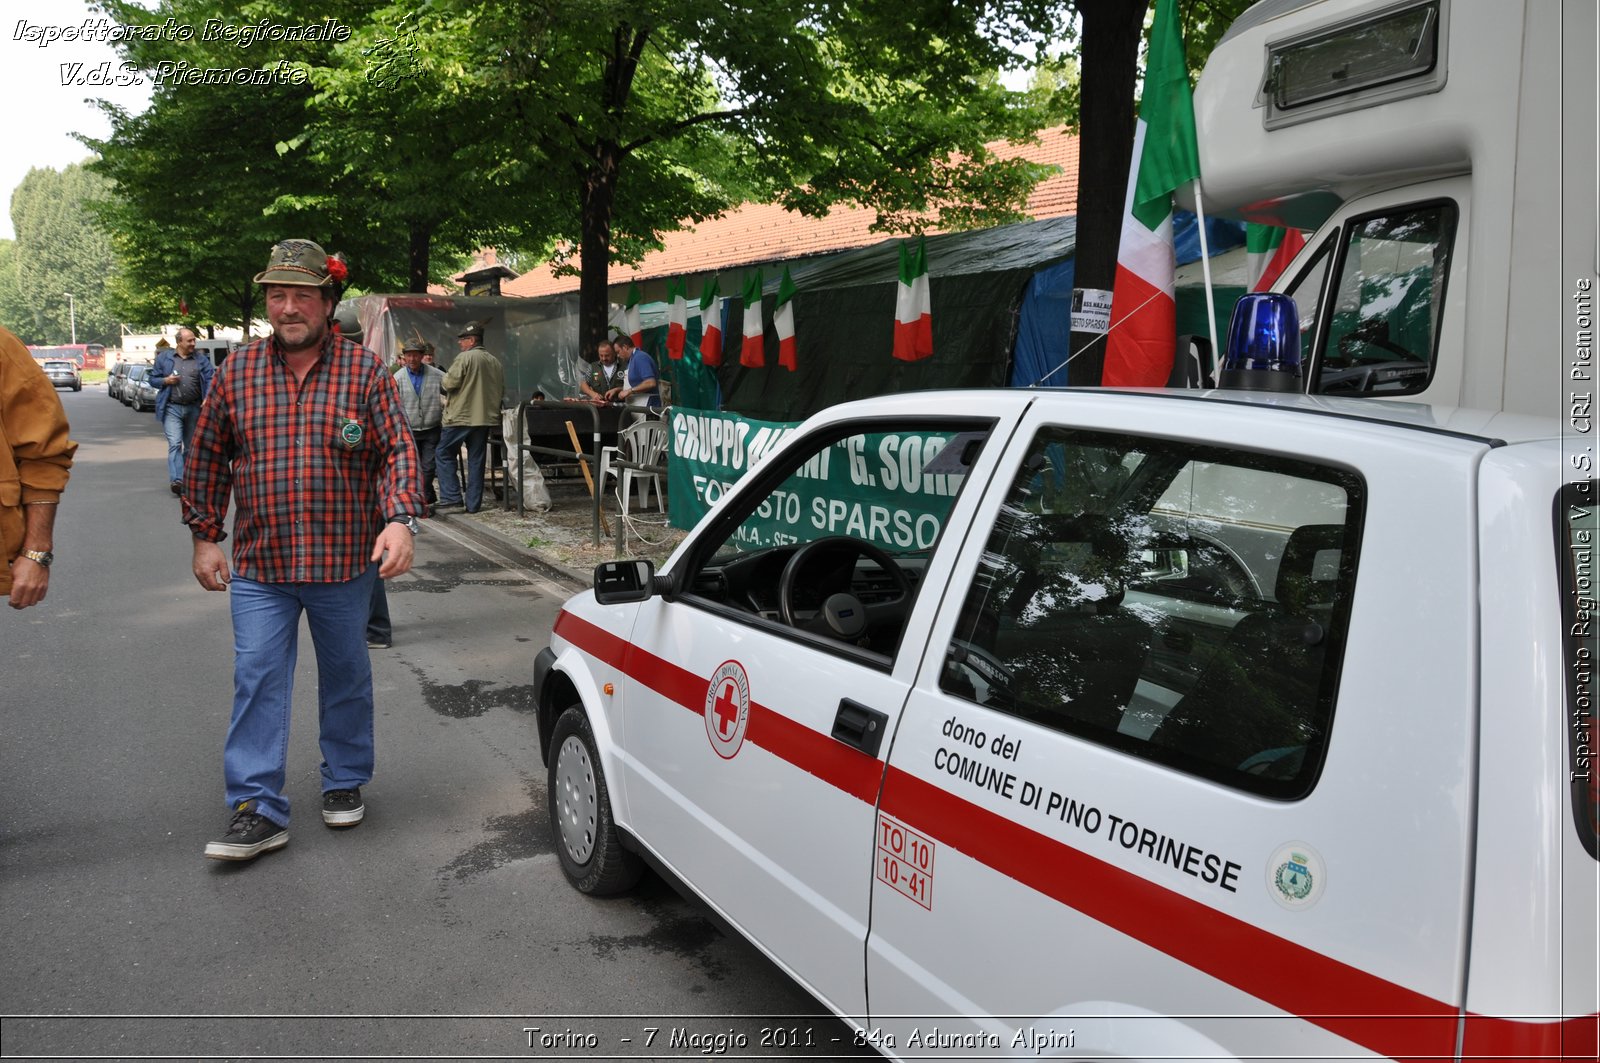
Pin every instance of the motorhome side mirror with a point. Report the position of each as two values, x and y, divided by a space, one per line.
1192 364
619 582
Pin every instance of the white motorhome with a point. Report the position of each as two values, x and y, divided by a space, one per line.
1444 153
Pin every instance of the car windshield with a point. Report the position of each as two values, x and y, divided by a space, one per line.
58 365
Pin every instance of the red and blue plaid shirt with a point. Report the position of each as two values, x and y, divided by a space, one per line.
314 468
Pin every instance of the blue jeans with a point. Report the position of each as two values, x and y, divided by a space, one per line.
266 634
178 423
477 440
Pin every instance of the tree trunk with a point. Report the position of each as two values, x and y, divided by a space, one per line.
421 237
599 193
1110 57
247 309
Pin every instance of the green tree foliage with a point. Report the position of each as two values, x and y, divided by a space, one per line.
587 126
204 185
656 113
13 307
58 249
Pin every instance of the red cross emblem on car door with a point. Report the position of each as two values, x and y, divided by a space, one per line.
727 708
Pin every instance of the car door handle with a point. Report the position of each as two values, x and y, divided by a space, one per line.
859 726
1182 641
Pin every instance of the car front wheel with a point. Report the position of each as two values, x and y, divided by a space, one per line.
586 837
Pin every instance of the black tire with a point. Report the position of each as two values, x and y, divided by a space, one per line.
592 856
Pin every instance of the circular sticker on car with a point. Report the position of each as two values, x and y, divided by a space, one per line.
1296 876
727 708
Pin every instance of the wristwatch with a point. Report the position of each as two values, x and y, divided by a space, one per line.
40 557
408 521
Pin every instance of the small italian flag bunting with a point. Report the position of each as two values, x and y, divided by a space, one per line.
1143 336
750 351
783 321
635 330
1270 250
913 305
711 323
677 318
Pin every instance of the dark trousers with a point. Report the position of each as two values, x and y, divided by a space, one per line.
427 452
379 628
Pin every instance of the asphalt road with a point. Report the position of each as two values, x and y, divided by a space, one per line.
440 928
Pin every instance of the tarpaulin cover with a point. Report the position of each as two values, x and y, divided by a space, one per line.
536 339
1001 315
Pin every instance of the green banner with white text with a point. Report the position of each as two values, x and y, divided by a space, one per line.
871 486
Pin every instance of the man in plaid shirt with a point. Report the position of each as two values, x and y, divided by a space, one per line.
306 434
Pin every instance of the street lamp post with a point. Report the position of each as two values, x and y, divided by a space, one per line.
72 316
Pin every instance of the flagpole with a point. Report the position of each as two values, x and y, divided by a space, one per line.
1205 271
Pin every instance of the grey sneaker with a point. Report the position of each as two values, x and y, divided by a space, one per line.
249 835
342 808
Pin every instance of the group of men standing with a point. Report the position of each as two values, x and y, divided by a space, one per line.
447 411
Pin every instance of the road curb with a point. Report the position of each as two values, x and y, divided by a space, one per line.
533 559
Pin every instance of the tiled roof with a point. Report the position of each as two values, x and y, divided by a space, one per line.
761 232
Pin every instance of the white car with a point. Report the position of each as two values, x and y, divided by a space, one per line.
1159 724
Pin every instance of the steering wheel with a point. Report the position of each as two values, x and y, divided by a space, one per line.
839 549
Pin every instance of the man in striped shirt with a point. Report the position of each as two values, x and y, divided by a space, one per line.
304 431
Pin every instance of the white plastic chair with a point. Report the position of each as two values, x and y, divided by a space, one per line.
641 443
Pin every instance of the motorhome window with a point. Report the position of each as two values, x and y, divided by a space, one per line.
1578 548
1181 603
1382 335
1379 51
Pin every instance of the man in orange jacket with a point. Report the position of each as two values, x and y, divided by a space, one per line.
35 456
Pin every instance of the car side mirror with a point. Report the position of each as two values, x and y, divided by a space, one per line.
619 582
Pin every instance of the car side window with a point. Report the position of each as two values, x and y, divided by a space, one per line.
1180 603
835 544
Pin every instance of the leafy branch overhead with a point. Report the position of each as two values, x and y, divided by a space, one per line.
596 124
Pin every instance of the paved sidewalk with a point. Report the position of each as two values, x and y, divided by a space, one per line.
560 543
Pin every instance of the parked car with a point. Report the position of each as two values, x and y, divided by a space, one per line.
1135 725
117 379
64 374
137 391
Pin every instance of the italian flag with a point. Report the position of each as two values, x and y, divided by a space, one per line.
783 321
1270 250
1143 336
750 353
913 306
635 330
711 323
677 318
